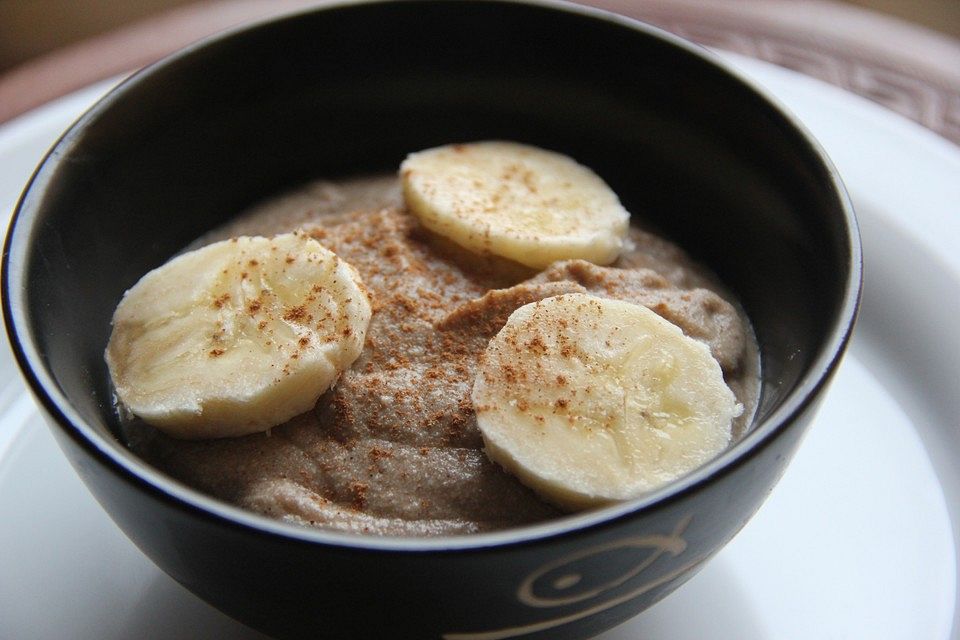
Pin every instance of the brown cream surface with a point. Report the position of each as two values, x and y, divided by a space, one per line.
393 448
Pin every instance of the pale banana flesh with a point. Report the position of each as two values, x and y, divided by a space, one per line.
516 201
238 336
589 400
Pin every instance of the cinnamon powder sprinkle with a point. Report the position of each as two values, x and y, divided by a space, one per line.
378 453
295 314
359 490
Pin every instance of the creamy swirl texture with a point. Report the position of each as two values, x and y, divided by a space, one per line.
393 448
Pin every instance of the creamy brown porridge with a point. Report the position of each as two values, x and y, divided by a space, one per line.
393 448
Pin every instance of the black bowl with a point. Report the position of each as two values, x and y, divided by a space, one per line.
351 88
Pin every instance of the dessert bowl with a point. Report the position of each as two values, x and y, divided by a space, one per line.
691 148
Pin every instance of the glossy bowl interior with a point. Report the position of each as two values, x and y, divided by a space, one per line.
180 148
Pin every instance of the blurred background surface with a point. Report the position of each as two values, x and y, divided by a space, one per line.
29 28
903 54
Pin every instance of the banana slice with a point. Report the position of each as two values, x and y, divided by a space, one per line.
515 201
238 336
588 400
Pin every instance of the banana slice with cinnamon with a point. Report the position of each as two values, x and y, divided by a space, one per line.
589 400
238 336
516 201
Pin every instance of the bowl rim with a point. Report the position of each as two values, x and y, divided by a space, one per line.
132 469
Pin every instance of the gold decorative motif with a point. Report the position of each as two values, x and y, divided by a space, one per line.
672 544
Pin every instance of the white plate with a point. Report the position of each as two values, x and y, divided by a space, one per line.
857 540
